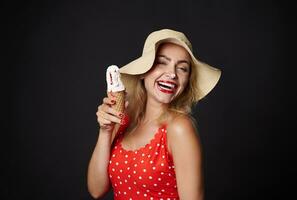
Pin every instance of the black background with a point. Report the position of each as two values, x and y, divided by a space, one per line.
58 53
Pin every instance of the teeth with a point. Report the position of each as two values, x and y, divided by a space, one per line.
167 85
165 88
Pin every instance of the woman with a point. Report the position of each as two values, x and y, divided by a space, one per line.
158 155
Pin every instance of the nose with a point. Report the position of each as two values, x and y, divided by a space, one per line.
170 71
171 75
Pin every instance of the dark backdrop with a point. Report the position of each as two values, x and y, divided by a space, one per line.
59 51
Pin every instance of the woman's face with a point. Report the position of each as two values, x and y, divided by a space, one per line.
170 73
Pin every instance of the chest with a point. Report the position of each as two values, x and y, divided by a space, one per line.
150 166
139 137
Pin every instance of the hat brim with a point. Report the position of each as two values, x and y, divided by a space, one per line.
140 65
207 76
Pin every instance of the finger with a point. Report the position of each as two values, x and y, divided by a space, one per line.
109 101
111 111
100 117
104 122
110 117
110 95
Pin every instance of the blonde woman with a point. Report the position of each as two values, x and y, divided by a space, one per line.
158 155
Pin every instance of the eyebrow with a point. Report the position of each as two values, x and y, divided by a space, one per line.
169 59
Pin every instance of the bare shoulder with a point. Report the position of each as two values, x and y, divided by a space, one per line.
181 124
186 151
182 131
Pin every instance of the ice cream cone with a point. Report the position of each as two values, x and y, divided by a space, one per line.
118 106
117 89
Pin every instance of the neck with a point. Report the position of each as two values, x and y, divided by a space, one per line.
153 110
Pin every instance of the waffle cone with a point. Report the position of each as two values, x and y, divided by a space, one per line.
119 106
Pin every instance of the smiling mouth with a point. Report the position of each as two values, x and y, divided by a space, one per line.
167 87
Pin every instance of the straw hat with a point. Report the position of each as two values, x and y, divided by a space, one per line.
207 76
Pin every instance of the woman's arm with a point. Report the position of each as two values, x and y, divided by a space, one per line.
97 176
98 180
185 147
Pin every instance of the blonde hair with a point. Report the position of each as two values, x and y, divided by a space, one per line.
137 97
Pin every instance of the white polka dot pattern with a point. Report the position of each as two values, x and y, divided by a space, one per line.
146 173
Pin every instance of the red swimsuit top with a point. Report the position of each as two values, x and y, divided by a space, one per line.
145 173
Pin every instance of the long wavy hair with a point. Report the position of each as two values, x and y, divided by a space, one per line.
137 97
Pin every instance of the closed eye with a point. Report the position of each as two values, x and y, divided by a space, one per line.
160 62
184 69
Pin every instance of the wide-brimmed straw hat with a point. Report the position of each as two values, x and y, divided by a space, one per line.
207 76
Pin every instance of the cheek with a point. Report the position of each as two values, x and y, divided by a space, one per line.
184 81
183 84
152 76
149 82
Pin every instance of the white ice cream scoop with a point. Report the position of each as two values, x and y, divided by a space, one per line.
113 79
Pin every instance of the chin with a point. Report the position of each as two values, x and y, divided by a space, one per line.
166 100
